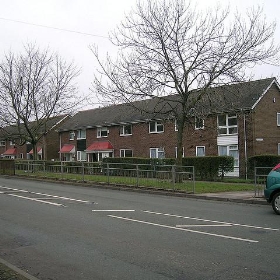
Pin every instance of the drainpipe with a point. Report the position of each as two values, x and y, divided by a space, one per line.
59 146
245 145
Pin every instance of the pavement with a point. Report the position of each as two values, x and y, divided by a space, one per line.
250 197
10 272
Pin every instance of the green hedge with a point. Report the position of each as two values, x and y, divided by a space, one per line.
262 161
206 168
210 167
7 167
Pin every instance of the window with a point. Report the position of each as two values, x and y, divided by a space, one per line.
157 153
81 156
278 119
278 148
102 132
227 124
200 151
12 142
2 143
81 134
176 152
21 155
125 153
230 150
199 123
126 130
155 127
71 135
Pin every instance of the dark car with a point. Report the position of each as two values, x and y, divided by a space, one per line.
272 190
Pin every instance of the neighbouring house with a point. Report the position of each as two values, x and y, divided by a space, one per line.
240 120
13 147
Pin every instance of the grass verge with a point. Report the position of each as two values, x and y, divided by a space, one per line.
197 187
8 274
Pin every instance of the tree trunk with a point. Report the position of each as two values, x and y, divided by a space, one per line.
179 159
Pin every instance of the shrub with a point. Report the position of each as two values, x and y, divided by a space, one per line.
262 161
210 167
206 168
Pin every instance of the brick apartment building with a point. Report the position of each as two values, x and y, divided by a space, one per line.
47 147
244 121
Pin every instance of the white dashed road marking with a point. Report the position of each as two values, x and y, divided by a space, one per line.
186 226
184 229
10 191
212 221
119 210
38 200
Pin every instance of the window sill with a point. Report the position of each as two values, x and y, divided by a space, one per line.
155 132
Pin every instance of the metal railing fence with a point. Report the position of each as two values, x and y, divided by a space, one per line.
260 176
139 175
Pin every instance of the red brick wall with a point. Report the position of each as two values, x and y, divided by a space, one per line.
141 140
265 123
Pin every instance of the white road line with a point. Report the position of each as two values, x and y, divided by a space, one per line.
13 189
48 195
63 198
108 210
212 221
38 200
186 226
187 230
46 198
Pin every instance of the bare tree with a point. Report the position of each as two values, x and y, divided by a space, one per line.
35 87
169 48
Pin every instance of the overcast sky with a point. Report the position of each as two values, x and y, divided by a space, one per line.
89 22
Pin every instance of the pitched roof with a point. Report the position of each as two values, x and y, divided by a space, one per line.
39 151
100 146
13 131
217 99
115 114
239 96
11 151
67 149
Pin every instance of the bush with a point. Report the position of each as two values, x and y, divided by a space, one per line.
206 168
210 167
262 161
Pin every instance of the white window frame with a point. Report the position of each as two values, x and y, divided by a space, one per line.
278 149
101 132
71 135
12 143
81 156
228 127
176 152
278 119
197 148
123 153
230 149
157 153
2 143
81 134
158 125
197 123
123 130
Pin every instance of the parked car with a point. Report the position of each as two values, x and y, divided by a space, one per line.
272 190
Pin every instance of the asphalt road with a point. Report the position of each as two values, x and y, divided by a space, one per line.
56 231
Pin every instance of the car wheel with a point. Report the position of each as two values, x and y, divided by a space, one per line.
276 203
